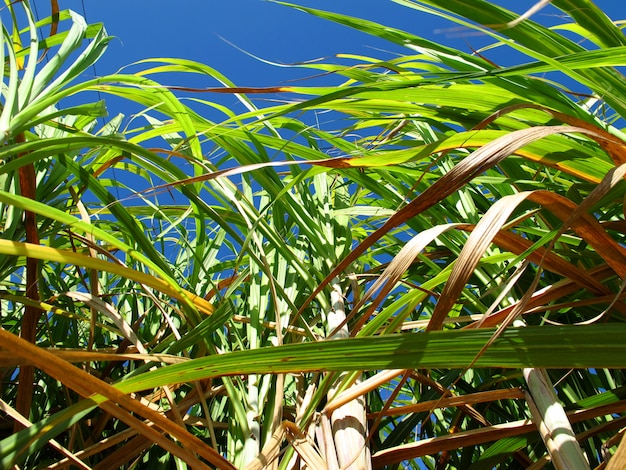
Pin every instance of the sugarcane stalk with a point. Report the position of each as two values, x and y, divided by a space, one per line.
551 421
349 421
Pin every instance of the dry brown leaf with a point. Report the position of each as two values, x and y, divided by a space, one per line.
361 389
54 444
303 447
394 272
475 246
270 452
480 436
543 297
461 400
117 404
471 166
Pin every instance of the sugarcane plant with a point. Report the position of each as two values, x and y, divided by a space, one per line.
431 278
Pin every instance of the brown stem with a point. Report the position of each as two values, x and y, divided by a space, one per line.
28 187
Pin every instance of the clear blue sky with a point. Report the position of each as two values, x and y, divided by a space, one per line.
193 29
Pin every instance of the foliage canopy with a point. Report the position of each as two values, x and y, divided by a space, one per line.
255 291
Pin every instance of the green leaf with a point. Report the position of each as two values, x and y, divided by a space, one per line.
541 347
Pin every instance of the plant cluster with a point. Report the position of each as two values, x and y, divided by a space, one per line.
435 282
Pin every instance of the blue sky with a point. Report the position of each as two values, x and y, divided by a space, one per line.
197 30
